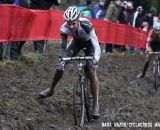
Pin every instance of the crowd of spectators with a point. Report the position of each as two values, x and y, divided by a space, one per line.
123 12
117 11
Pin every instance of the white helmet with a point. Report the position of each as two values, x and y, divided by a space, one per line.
72 13
156 26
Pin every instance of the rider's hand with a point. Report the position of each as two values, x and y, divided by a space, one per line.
61 65
94 64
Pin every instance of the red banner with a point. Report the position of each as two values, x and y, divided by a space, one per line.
19 24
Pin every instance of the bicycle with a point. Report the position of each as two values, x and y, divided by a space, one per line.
156 69
81 91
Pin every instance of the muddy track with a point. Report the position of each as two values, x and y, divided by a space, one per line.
123 98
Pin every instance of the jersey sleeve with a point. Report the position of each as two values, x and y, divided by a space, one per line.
95 43
149 39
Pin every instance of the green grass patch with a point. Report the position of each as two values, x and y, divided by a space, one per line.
7 62
32 57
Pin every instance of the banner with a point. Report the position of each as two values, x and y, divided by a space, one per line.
20 24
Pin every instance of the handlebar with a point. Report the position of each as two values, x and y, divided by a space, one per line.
77 58
153 52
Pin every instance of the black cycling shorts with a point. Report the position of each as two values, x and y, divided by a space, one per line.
76 45
155 46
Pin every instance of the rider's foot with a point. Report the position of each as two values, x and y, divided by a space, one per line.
96 113
140 75
46 93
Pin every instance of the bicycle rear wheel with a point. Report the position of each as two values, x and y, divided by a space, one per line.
78 103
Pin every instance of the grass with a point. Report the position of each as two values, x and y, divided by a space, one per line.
27 58
33 57
6 63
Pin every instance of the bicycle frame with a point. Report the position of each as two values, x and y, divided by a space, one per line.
82 89
80 65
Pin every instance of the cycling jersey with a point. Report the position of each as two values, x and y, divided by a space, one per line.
84 34
153 41
83 30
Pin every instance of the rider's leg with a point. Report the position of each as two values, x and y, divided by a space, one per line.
94 82
49 92
72 50
94 90
146 65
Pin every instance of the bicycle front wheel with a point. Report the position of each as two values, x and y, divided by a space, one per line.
156 76
156 81
88 97
78 103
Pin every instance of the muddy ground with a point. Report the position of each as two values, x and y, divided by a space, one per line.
123 98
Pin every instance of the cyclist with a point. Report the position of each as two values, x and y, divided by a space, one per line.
84 36
153 45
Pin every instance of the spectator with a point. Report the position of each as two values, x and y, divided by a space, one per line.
112 15
130 10
147 21
146 24
22 3
42 5
123 19
16 47
135 21
85 8
98 10
123 13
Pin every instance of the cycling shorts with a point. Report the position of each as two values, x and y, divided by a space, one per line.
154 47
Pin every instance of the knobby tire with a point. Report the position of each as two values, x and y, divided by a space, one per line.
78 103
87 98
156 79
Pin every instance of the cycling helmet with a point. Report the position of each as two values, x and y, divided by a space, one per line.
72 13
156 26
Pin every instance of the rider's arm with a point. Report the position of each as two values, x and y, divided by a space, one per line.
63 45
149 39
95 43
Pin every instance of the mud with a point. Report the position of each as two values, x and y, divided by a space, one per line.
123 97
